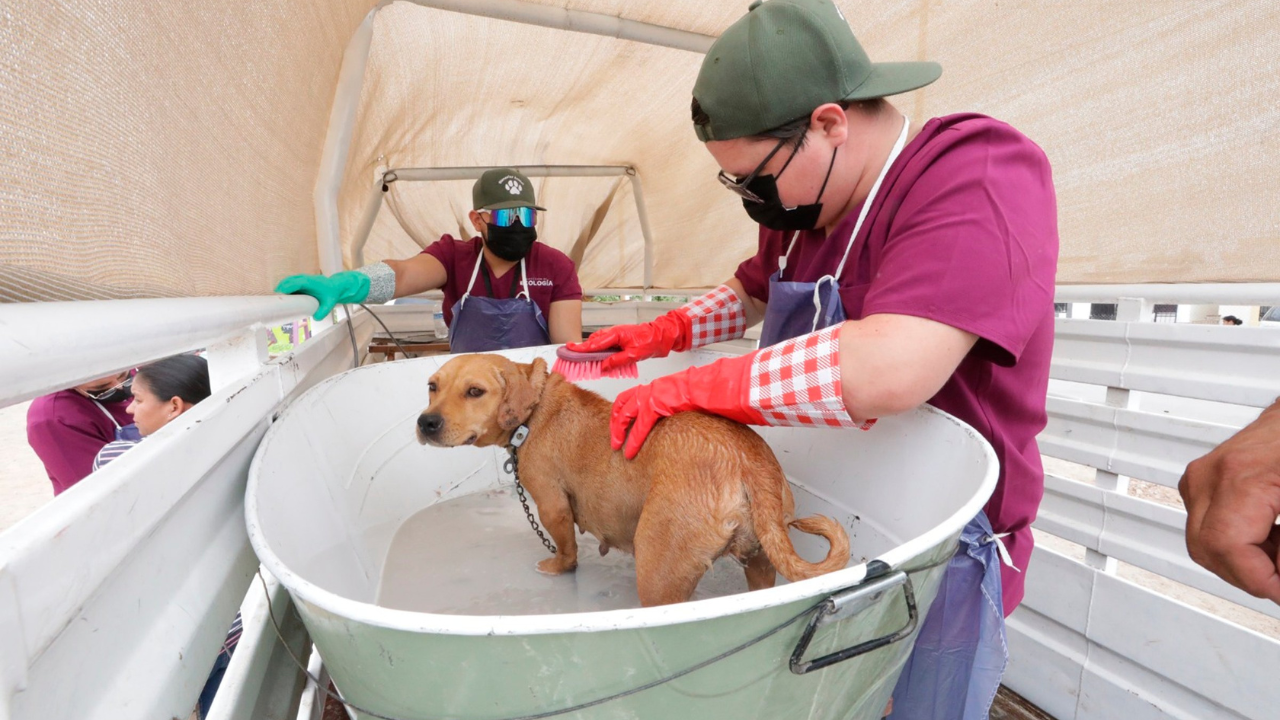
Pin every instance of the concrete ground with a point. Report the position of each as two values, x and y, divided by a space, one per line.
24 486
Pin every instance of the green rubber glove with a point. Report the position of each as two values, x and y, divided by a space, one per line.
344 287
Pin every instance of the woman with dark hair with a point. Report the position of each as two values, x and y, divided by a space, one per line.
162 391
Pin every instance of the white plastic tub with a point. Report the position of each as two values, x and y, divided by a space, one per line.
340 471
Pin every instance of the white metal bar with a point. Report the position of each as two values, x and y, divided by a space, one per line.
1200 294
554 16
1086 645
472 173
129 581
374 203
1135 531
313 695
337 144
55 345
642 212
368 217
1151 447
1207 362
236 357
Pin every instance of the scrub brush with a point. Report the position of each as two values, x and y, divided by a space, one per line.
578 366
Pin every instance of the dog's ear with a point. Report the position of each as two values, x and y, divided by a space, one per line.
524 384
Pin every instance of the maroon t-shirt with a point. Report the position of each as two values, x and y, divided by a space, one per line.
552 276
964 231
67 429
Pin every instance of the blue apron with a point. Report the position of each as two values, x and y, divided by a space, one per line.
960 653
484 324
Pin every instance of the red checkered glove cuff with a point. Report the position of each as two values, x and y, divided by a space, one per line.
797 383
717 316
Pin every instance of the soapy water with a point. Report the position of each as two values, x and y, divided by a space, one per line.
475 555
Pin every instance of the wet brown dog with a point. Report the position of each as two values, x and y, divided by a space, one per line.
702 486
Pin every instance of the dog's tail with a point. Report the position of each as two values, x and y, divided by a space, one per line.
771 523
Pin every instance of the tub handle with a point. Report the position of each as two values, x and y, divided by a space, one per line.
848 603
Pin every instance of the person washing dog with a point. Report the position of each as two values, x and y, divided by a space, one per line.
502 288
897 265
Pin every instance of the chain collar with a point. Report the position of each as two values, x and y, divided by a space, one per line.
512 466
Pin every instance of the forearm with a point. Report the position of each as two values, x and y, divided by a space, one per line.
890 364
417 274
564 325
753 307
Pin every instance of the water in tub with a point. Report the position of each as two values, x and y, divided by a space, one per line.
475 555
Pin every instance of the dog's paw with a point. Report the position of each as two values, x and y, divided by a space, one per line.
556 566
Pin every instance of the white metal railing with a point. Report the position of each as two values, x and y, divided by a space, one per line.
50 346
1138 399
128 582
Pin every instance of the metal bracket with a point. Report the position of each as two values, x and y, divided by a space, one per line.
846 604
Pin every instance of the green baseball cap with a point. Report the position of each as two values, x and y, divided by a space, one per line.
503 188
782 60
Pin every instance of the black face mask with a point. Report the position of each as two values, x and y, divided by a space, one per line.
511 243
124 392
114 396
772 214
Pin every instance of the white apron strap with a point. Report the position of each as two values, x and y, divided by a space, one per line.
106 412
866 204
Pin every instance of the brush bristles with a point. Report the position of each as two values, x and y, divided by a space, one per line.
576 372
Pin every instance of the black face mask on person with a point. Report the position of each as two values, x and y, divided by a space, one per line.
511 243
112 395
760 197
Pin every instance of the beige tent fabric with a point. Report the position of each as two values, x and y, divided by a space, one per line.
159 148
1158 119
171 149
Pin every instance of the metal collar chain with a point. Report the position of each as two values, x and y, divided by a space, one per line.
512 466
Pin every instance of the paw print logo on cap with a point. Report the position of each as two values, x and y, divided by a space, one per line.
513 185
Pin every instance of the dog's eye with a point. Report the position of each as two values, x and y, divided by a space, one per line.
475 392
431 387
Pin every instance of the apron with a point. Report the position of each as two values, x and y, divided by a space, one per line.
484 324
799 308
129 433
959 655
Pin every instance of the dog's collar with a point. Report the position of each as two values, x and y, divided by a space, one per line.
517 438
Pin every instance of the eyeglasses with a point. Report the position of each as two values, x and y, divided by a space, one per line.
126 384
506 217
740 186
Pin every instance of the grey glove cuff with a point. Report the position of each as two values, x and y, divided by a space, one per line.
382 282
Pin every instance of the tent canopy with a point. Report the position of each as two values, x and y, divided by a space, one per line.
163 148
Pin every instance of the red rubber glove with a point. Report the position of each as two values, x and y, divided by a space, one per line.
722 388
794 383
640 342
715 317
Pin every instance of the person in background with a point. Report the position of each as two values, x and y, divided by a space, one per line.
68 428
502 289
1232 320
162 391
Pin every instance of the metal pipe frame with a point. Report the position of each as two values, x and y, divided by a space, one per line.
551 16
45 347
1194 294
374 204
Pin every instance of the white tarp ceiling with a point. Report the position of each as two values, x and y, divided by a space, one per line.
161 148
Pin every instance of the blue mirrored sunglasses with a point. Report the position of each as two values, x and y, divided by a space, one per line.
506 217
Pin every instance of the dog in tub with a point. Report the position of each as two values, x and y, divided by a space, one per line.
701 488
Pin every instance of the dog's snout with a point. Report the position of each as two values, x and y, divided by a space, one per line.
430 424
